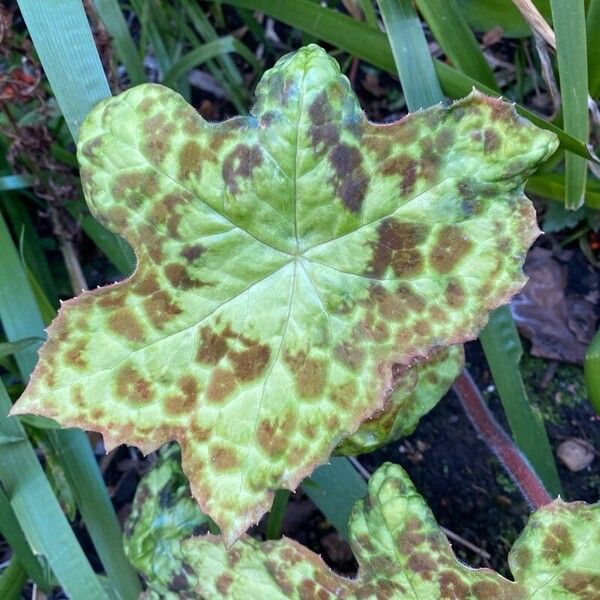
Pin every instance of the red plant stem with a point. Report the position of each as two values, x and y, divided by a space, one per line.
499 442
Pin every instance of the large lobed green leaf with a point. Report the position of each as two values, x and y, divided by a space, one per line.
288 261
401 552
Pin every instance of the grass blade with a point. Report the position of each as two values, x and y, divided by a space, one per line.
411 54
276 514
503 351
569 26
39 513
203 54
223 69
591 369
8 348
369 12
12 580
112 16
372 46
335 488
68 55
21 318
593 47
553 185
9 183
451 30
31 248
11 531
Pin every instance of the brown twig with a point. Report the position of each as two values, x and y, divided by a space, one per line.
498 441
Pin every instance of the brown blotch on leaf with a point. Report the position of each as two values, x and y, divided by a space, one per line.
429 162
309 374
250 363
223 459
126 323
444 139
452 586
179 277
323 132
557 543
151 242
454 294
135 187
158 133
423 564
487 590
192 252
585 586
396 247
491 140
160 309
273 437
343 395
74 354
89 147
213 346
350 355
351 180
222 383
146 285
406 168
76 396
224 582
450 248
186 401
190 159
132 387
240 164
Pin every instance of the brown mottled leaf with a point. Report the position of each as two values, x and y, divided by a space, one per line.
287 260
401 552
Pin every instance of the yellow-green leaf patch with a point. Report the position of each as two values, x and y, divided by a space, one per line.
287 262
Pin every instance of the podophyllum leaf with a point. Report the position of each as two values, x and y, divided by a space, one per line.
558 554
163 514
402 555
418 390
286 260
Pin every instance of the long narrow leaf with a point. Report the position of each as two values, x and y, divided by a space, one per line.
503 350
569 26
39 513
12 580
11 531
203 54
335 489
372 46
552 186
14 182
593 47
411 54
451 30
114 21
63 40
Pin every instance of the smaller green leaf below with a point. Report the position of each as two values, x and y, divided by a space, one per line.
401 551
417 390
163 514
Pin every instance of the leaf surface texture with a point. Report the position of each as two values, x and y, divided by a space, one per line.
287 260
